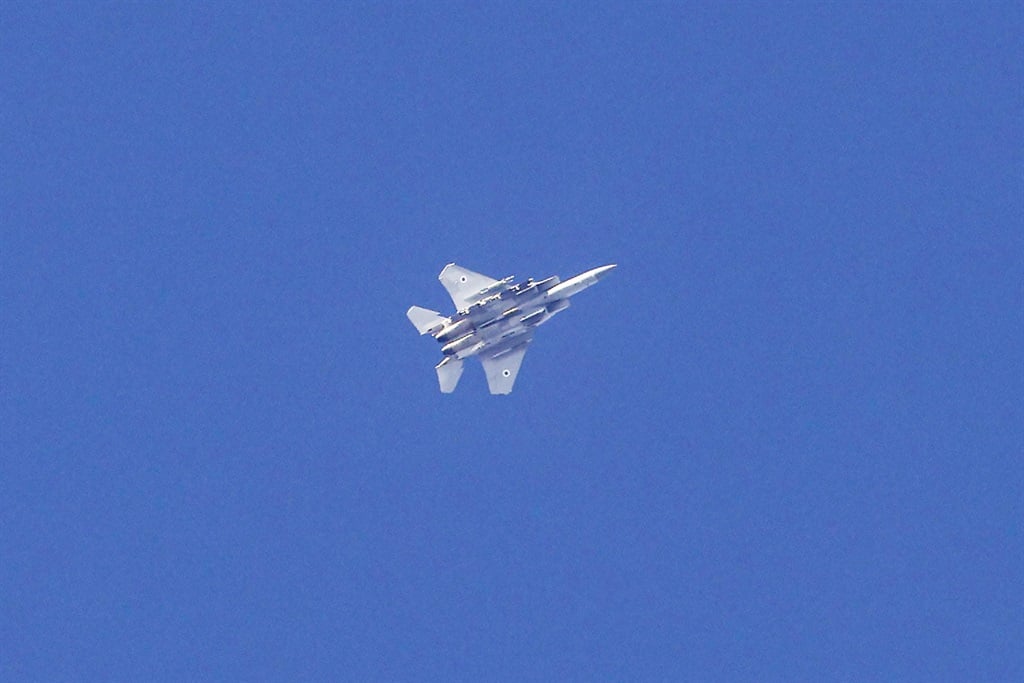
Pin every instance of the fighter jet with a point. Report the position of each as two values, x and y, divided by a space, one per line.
494 321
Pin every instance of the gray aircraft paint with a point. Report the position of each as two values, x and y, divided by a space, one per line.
495 321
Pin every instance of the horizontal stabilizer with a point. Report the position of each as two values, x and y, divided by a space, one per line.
425 320
448 373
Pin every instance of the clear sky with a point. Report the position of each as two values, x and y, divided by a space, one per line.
782 441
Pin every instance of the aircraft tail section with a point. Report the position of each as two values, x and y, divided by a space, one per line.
448 373
425 320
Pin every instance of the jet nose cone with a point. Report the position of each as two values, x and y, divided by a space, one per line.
603 271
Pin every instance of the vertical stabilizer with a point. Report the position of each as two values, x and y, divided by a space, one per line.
448 373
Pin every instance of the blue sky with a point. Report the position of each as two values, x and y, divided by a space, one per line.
782 441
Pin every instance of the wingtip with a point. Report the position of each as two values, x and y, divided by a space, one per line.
440 276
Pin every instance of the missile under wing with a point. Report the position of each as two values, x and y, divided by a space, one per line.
495 320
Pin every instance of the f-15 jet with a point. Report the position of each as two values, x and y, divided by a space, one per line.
494 321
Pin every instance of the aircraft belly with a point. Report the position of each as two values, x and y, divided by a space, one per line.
494 320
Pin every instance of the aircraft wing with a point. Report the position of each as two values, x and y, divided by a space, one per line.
501 368
463 285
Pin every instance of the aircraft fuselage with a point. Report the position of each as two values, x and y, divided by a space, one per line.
505 313
494 320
